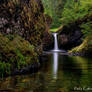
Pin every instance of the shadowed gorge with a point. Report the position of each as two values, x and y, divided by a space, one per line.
45 45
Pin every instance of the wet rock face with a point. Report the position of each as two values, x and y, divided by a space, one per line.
23 17
70 38
48 20
48 41
63 39
40 5
26 18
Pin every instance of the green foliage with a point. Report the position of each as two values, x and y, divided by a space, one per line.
20 59
79 13
15 54
4 68
54 9
87 28
76 10
10 37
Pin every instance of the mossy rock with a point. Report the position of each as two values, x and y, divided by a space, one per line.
15 54
25 18
85 48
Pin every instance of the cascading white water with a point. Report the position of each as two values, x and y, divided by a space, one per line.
56 49
55 42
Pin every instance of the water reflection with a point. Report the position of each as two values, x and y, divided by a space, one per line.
55 65
59 74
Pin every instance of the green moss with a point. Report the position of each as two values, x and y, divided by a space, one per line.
15 54
85 47
54 29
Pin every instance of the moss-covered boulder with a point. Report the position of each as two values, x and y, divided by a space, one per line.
15 53
85 48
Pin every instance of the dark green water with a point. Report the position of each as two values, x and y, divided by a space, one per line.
58 74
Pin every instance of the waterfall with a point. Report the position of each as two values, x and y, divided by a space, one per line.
55 56
56 51
55 42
